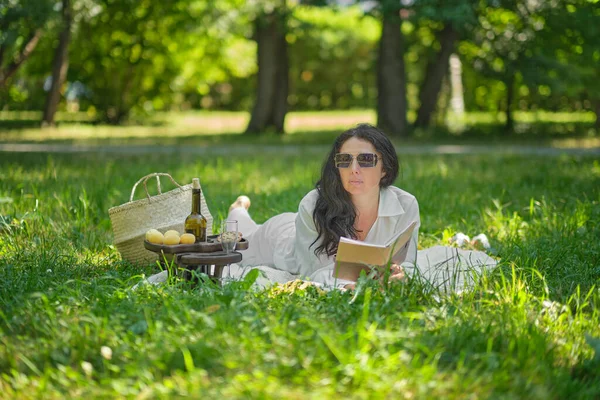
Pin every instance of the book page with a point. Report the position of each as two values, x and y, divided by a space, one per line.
354 255
360 243
396 244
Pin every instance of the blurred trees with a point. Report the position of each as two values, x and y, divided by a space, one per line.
332 58
451 21
22 24
60 65
573 51
270 31
129 58
505 47
391 71
444 21
126 53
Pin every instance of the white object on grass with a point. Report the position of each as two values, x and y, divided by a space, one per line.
460 239
482 239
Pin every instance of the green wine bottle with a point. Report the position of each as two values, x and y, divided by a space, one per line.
195 222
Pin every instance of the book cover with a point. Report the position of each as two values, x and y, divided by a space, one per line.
354 256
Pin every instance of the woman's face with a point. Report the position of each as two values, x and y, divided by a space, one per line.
359 180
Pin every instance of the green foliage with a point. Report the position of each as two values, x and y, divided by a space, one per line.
541 46
332 55
118 45
574 47
504 47
71 326
18 20
137 57
461 14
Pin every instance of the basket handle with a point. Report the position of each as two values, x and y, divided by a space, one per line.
145 180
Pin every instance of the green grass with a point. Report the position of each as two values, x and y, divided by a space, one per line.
202 128
529 330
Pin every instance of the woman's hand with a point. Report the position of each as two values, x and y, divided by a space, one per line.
396 275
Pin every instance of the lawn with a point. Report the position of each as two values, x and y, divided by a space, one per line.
202 128
70 325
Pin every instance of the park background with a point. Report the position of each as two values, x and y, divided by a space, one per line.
492 105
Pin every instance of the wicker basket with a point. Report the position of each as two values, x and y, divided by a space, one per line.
164 211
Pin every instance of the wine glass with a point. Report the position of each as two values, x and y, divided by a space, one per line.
229 238
229 235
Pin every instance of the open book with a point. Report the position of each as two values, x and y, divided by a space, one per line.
354 256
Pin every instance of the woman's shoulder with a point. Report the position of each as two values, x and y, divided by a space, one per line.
402 195
309 200
395 202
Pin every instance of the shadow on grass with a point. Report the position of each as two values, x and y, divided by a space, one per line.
155 131
523 131
8 124
200 139
17 124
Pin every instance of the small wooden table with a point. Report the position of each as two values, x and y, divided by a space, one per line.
198 256
201 262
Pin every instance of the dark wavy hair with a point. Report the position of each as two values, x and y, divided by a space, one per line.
334 212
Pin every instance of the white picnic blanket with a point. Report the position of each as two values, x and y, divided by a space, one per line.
449 268
445 268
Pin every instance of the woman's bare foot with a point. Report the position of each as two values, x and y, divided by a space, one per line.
241 202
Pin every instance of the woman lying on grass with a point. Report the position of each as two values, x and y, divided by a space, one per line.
354 197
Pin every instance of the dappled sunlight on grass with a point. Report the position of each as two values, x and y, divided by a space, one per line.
70 324
182 125
570 143
529 117
205 128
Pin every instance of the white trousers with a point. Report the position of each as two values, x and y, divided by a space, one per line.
277 232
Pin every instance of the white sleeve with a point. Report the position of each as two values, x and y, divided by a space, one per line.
317 269
408 255
306 233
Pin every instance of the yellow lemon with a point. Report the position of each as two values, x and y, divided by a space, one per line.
187 238
171 239
151 232
155 237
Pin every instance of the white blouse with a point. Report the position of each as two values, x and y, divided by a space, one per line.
292 251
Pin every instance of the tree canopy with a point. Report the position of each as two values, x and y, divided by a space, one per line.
130 58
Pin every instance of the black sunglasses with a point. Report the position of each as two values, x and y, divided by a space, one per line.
365 160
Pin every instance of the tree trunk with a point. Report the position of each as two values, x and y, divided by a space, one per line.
23 55
60 65
597 110
391 79
280 106
510 83
434 74
457 100
118 113
270 107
